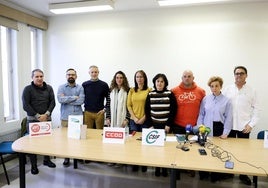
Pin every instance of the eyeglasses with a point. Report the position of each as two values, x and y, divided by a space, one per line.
70 74
239 74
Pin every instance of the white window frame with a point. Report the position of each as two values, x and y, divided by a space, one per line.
36 48
9 74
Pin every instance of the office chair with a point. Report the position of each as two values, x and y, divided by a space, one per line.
260 135
5 148
23 127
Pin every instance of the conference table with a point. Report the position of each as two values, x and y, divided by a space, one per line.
132 152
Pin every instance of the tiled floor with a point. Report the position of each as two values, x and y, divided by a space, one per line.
99 175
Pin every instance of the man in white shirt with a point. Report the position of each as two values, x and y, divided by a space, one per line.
245 108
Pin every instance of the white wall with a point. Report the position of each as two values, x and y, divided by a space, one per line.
210 40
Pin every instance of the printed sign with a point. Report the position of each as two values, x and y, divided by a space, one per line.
265 139
40 128
153 137
114 135
74 126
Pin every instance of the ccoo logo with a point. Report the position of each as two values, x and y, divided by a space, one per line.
116 135
152 137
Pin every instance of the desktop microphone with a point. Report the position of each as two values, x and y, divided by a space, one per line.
195 130
207 131
200 133
202 129
188 130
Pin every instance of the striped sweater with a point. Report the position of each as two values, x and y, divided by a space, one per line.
160 109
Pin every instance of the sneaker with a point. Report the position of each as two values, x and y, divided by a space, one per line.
118 165
135 168
49 163
245 179
157 171
34 170
144 168
164 172
191 173
66 162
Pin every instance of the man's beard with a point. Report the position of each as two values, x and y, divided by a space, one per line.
71 80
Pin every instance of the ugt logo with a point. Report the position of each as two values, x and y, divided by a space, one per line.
152 137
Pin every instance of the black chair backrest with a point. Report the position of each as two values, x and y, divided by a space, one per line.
23 127
260 135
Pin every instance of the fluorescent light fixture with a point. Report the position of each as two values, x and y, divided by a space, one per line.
186 2
81 6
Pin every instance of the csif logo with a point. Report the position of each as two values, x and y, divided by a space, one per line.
152 137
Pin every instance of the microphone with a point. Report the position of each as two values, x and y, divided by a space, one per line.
207 131
201 134
202 129
188 129
195 130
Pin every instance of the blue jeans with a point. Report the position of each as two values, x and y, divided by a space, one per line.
137 127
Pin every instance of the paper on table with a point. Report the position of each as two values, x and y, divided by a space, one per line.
171 139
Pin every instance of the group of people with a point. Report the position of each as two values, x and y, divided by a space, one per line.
229 113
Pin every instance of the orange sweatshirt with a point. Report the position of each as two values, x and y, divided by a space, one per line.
188 101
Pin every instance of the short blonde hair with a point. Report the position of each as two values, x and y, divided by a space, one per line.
215 79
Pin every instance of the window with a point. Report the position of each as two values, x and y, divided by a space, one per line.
9 79
36 48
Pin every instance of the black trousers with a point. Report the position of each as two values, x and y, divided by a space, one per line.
217 131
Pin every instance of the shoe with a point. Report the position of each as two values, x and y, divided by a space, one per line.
245 179
203 175
191 173
164 172
178 175
135 168
157 172
144 168
214 177
49 163
34 170
225 176
118 165
66 162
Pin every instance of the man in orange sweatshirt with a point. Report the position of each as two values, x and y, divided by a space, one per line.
188 96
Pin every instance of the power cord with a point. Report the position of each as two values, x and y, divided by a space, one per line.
224 155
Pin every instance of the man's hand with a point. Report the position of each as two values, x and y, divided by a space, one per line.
247 129
43 117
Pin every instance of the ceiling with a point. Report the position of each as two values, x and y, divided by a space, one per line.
41 6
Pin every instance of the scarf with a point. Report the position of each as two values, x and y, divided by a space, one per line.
118 107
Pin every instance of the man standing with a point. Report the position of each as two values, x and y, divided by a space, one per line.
96 91
188 96
38 102
71 96
245 108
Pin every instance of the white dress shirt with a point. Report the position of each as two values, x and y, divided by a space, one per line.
245 106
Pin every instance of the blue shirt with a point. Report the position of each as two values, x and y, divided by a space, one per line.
70 104
218 109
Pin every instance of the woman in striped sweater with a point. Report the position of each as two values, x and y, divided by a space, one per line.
160 109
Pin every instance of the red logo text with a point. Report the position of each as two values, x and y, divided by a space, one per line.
117 135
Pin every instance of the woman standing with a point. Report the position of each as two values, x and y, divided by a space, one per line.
216 113
160 109
136 105
117 114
